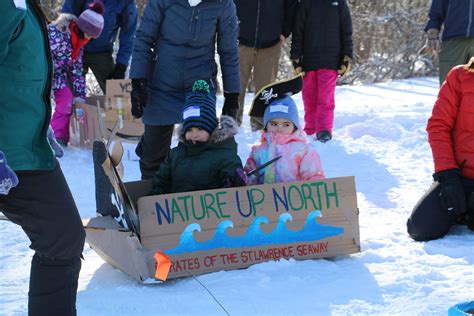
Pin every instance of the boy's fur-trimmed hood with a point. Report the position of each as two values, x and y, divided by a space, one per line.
63 21
226 129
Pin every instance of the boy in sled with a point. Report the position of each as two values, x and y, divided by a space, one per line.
206 156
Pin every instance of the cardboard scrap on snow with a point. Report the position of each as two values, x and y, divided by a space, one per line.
114 106
225 229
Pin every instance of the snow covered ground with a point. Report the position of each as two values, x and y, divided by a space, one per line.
380 138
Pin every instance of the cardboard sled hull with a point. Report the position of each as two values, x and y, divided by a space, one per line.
334 232
123 251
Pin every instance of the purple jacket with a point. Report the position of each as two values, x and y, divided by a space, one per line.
65 68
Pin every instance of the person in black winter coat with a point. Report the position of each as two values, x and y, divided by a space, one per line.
322 48
264 27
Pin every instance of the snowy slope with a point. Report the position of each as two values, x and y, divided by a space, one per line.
380 138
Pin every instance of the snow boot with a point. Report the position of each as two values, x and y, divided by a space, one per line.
324 136
104 190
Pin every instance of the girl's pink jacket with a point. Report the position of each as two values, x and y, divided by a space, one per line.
300 160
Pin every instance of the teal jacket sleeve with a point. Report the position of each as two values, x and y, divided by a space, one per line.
10 27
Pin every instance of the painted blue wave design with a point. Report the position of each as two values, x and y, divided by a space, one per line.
254 236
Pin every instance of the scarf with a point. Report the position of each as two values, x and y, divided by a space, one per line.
76 40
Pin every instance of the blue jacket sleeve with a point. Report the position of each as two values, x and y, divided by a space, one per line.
228 49
437 14
128 25
145 39
72 7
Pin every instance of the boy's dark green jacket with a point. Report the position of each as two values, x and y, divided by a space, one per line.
202 166
25 84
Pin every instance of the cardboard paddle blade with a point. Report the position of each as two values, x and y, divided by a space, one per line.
274 91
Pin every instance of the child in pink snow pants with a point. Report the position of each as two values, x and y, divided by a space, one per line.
322 49
67 37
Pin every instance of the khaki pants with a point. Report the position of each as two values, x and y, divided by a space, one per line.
265 69
453 52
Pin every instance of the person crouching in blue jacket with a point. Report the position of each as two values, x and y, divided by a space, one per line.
175 46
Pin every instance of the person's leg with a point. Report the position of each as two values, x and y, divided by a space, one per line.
246 60
101 64
326 82
310 96
62 114
153 147
265 72
427 220
452 53
49 217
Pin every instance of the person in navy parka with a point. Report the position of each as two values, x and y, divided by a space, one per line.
174 46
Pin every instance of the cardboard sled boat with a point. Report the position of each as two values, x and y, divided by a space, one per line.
182 234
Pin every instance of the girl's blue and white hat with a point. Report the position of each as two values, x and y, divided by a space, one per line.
282 108
200 108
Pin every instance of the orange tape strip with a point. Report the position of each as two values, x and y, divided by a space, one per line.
163 265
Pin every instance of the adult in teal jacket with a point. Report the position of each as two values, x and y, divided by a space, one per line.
41 203
118 15
174 46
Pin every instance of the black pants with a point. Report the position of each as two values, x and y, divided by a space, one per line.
428 221
44 207
153 147
101 64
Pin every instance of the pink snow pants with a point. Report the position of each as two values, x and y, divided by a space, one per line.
318 99
62 113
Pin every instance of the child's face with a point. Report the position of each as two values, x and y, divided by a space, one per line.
196 134
280 125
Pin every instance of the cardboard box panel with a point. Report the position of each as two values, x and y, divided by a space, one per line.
116 106
194 228
119 248
225 229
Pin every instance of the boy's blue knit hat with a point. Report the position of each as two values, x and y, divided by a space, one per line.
282 108
200 108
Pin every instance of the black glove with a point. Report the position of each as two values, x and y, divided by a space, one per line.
231 104
297 66
452 197
239 179
344 65
138 97
118 72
